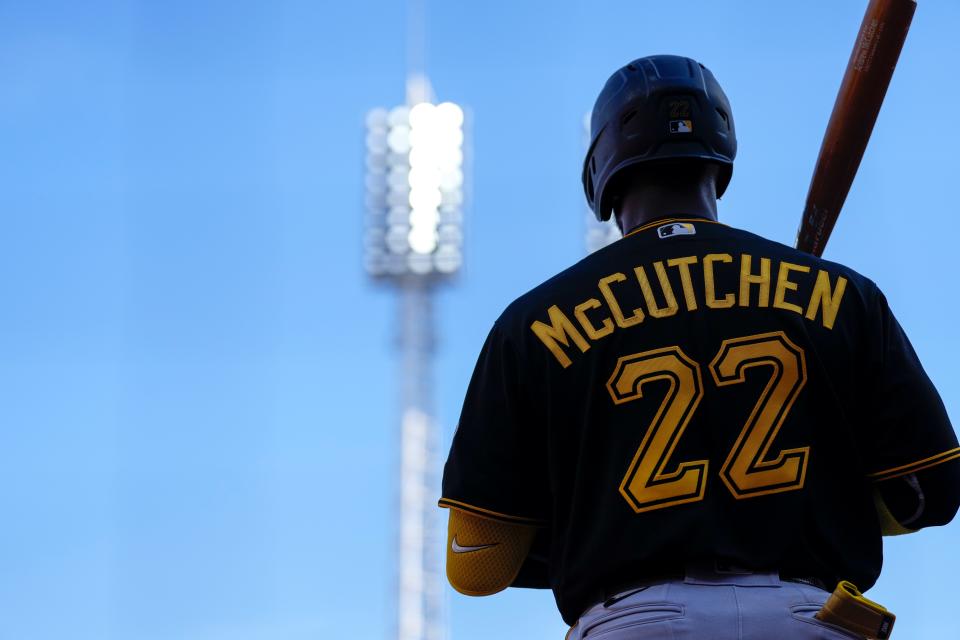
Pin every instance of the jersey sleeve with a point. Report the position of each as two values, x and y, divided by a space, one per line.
496 467
908 427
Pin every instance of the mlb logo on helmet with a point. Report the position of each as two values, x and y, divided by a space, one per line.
681 126
676 229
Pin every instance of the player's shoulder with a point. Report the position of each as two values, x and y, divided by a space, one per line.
856 284
583 272
750 241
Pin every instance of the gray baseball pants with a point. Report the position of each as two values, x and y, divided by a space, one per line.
707 605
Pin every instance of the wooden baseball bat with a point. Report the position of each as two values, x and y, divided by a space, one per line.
864 86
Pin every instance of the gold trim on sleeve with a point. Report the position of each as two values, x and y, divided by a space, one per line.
913 467
447 503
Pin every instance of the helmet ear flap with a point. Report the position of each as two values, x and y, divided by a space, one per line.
589 177
657 108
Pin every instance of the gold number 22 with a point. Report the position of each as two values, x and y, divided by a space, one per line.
749 469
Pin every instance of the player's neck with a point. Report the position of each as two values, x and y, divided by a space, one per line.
643 205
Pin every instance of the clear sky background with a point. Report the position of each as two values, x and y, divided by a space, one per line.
198 385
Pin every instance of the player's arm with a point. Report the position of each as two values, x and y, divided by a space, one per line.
914 456
496 479
926 498
484 555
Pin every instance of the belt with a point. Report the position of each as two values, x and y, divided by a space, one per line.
813 581
618 590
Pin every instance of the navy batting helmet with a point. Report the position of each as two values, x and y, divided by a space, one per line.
658 108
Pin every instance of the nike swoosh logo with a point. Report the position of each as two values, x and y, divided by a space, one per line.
458 548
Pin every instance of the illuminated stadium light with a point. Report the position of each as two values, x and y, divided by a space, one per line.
414 191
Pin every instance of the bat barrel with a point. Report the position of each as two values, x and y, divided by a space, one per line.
869 70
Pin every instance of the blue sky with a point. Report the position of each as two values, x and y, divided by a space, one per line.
197 383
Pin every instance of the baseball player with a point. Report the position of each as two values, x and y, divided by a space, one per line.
694 432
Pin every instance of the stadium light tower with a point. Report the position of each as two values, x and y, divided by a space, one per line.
413 241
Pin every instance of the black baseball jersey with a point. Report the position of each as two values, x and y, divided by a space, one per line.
694 392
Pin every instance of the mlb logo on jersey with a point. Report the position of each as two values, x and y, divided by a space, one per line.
676 229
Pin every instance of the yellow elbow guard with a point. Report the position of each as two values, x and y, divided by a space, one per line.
484 555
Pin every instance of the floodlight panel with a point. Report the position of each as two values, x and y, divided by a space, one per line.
414 186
